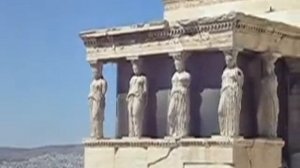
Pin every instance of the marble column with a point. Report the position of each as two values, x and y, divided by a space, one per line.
268 107
137 99
96 99
231 96
179 105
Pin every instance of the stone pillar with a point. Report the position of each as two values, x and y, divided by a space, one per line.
179 105
231 96
268 108
96 99
137 98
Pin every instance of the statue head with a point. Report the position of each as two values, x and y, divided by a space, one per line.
269 59
230 59
179 63
97 69
269 63
136 66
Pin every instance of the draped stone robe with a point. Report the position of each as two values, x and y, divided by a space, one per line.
97 106
268 109
137 101
230 101
179 106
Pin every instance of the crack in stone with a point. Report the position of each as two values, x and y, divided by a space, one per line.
164 157
248 149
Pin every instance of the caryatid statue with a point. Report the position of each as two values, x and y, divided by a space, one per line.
137 100
96 99
268 108
231 96
179 105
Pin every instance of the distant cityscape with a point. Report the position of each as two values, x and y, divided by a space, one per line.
44 157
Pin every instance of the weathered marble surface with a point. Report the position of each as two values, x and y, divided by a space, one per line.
136 100
179 106
268 108
96 99
185 153
231 97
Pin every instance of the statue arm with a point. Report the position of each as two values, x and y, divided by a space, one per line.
129 90
220 106
240 77
188 82
145 91
145 86
104 88
90 96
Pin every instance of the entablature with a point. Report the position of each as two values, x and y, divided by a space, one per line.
260 34
209 33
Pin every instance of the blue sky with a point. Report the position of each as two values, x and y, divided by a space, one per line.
44 76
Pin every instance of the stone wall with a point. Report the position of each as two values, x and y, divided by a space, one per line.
184 153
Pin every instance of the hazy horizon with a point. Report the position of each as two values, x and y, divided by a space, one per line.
41 146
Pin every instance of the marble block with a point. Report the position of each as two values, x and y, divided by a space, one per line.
216 152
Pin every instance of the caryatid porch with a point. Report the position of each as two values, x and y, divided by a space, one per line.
200 47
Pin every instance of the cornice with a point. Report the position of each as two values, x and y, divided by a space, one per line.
259 34
185 142
198 42
225 31
248 23
167 35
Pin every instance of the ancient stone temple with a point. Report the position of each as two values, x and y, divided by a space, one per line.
215 84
